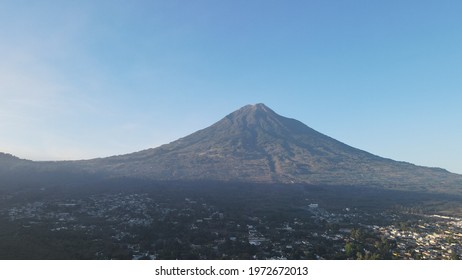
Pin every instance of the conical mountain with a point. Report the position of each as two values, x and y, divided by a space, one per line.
254 144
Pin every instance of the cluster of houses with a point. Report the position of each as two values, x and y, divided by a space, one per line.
439 239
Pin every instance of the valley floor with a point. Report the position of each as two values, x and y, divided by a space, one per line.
229 221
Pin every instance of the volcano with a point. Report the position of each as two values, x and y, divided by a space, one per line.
255 144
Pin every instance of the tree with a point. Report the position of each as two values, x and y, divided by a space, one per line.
349 249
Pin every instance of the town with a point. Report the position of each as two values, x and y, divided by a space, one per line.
210 225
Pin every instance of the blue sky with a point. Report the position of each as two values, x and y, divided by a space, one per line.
84 79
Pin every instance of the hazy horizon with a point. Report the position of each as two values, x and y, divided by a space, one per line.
85 80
